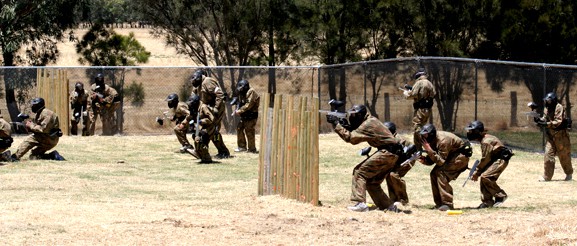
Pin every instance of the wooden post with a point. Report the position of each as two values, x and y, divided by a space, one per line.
387 107
514 109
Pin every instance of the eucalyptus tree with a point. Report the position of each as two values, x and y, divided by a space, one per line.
35 27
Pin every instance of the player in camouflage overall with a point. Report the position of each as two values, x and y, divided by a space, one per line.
369 174
46 132
450 155
79 105
558 144
212 96
494 159
422 94
181 117
247 109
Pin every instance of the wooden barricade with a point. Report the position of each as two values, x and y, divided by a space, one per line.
52 85
289 148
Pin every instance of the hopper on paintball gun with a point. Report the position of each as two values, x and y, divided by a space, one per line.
533 113
338 116
536 116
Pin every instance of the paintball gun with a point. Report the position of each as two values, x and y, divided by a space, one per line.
473 168
20 126
533 113
413 157
406 87
536 116
235 101
160 120
78 114
23 116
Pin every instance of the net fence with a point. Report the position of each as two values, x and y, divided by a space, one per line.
494 92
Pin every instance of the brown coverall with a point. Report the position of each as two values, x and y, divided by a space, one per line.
205 130
79 104
558 142
449 164
5 136
213 96
422 90
369 174
395 183
43 124
182 117
105 107
490 168
248 116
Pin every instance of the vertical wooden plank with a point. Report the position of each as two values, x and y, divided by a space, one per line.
315 124
302 149
264 126
275 142
291 148
282 149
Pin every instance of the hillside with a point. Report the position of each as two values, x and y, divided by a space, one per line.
160 54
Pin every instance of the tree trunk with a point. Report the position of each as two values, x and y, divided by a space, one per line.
11 102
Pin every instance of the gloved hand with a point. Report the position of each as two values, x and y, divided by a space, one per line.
541 123
214 110
332 119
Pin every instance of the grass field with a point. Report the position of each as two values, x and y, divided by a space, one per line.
137 191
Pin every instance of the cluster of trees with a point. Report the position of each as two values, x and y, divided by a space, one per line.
278 32
289 32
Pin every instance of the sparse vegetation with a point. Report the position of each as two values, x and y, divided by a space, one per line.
137 190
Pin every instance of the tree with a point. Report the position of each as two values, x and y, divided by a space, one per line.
35 26
212 32
103 47
453 29
542 31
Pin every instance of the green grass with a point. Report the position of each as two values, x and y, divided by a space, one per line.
531 141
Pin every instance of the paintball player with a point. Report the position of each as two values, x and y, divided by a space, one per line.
368 175
422 94
103 102
555 122
181 116
494 159
396 185
212 95
450 155
203 130
46 132
79 104
247 109
5 139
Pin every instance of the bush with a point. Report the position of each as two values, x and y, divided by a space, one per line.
135 93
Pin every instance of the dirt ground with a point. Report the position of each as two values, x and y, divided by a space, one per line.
137 191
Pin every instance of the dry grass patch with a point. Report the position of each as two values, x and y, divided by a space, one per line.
137 190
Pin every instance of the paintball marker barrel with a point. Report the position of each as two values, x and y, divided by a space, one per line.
23 116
